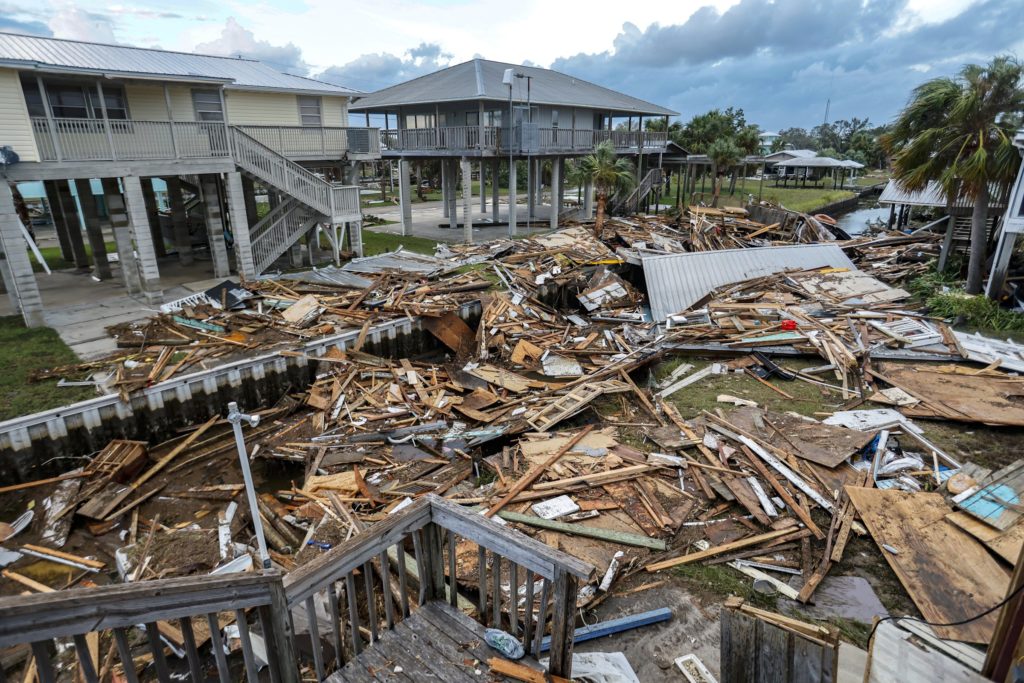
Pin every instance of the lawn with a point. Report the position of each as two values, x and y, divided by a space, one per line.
379 242
793 198
56 261
371 201
22 351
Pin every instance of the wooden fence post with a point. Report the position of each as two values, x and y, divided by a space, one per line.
280 639
433 574
563 622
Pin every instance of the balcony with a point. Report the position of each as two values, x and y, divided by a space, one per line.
76 139
493 140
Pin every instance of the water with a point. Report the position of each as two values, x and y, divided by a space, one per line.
856 221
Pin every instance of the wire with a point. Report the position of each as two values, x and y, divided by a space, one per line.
968 620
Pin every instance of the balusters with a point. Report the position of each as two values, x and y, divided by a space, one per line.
217 645
421 563
453 585
44 667
385 576
314 637
332 600
247 653
481 561
156 647
371 603
125 653
513 597
353 612
542 615
189 642
402 592
85 659
496 589
528 610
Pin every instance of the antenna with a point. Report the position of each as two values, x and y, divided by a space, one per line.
828 100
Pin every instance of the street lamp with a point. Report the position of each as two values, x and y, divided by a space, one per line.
236 418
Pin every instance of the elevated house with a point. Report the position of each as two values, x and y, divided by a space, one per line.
217 131
488 113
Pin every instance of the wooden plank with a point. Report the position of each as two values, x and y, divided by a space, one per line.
620 537
1006 544
948 574
537 471
521 672
718 550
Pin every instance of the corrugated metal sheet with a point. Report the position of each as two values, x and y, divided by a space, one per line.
405 261
677 281
933 196
72 55
482 79
328 275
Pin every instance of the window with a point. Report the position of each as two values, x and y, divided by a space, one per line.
309 111
493 118
207 105
472 118
419 120
554 118
75 100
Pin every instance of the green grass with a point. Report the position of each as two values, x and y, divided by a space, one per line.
793 198
372 201
380 242
22 351
56 261
723 581
944 296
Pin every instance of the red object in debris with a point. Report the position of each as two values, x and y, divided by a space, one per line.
789 325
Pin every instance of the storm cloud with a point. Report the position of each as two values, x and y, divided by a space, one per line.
237 41
374 71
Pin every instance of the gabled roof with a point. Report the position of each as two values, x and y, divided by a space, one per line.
481 79
72 56
791 154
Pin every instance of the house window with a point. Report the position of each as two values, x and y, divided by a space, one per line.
75 100
207 105
472 118
554 118
309 111
419 120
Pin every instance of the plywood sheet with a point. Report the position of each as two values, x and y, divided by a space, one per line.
1006 544
954 396
820 443
948 574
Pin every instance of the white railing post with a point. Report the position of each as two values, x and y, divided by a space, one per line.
170 122
106 121
51 124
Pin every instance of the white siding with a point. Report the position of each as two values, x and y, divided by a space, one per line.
146 102
257 108
15 126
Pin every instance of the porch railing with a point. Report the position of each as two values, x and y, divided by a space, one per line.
73 139
316 141
524 587
551 140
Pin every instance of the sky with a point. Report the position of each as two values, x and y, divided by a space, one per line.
781 61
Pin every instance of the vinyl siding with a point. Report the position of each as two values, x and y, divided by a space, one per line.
255 108
15 126
335 112
146 102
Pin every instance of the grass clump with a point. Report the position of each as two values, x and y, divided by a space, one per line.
723 582
944 296
24 350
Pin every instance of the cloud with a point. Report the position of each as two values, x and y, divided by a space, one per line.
78 24
144 12
16 20
237 41
370 72
781 60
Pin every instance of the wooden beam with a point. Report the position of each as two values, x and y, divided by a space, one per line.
719 549
622 537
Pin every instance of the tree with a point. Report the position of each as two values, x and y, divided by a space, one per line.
702 130
798 137
959 132
609 173
724 154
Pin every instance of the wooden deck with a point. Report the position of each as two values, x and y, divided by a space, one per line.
437 642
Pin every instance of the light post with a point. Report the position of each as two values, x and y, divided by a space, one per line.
236 418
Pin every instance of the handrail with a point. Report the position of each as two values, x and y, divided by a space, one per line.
431 523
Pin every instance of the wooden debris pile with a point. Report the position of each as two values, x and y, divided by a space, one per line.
894 257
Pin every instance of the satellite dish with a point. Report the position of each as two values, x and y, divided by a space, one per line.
8 157
507 79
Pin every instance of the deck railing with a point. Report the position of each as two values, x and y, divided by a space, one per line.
316 141
522 586
551 140
74 139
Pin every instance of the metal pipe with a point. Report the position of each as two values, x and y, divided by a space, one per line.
235 418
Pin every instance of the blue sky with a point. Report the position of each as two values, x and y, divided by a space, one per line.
780 60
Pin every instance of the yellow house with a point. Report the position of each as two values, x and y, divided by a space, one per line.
218 130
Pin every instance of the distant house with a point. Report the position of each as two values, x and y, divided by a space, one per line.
468 113
212 128
768 139
785 155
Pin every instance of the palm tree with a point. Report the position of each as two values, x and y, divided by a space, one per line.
724 154
959 132
609 173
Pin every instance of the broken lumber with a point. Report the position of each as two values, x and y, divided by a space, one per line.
719 549
622 537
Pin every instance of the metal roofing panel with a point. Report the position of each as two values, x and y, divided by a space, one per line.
677 281
933 195
401 260
810 162
482 79
72 55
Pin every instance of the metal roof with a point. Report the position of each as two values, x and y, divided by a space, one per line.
792 154
933 195
810 162
677 281
481 79
73 56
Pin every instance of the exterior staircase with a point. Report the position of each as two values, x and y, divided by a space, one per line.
635 198
311 199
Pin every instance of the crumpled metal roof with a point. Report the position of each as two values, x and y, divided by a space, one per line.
481 79
400 260
326 275
54 54
677 281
